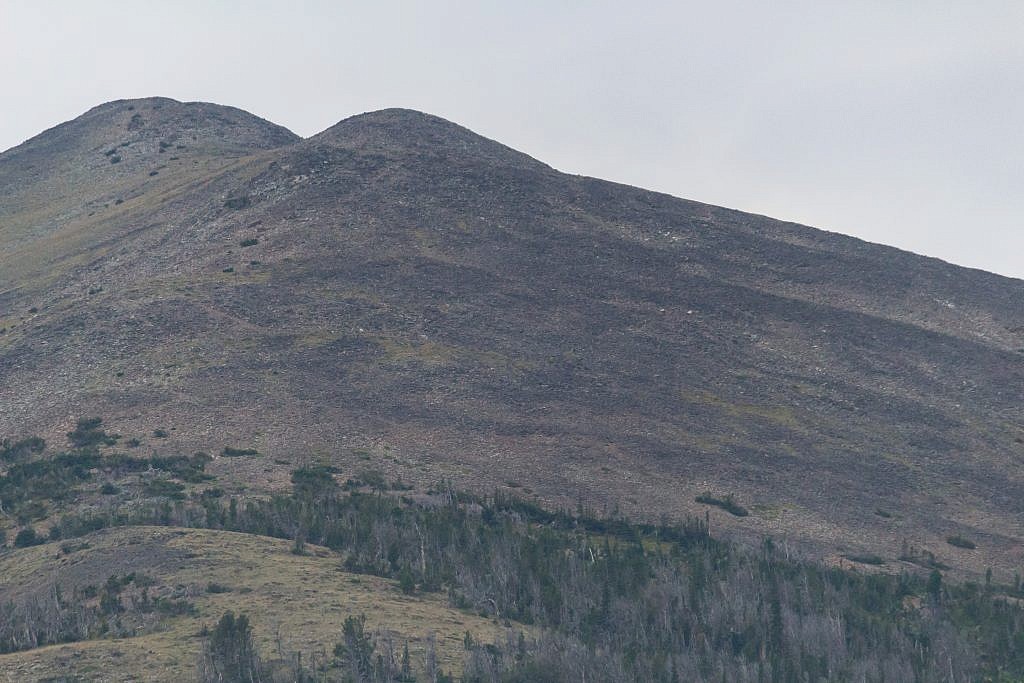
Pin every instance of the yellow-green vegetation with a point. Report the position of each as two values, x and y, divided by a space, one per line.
434 353
768 510
777 414
427 353
302 600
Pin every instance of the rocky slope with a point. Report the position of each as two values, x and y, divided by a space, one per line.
398 293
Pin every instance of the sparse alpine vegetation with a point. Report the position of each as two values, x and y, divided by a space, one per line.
406 282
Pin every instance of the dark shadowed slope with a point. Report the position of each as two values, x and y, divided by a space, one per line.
399 293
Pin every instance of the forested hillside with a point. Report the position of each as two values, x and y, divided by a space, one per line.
572 595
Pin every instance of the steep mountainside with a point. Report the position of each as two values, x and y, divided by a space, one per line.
401 294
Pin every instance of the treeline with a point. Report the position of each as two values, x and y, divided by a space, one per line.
623 602
612 600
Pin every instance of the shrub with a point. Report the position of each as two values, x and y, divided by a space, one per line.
172 608
925 559
313 481
190 469
109 489
31 509
374 479
110 603
406 581
251 242
19 450
68 548
27 537
935 584
230 452
165 487
961 542
237 203
89 432
728 504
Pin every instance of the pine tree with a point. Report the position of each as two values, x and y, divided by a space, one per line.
231 655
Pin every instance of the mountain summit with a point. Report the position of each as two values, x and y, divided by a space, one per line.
413 132
225 129
116 151
399 294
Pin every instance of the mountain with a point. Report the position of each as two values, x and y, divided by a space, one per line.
398 294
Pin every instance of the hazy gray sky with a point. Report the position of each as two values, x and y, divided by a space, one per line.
899 122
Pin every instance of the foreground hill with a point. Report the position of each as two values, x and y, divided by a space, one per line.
300 602
399 294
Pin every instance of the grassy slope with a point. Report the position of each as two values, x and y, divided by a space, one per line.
304 598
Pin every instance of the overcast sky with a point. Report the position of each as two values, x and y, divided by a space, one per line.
896 121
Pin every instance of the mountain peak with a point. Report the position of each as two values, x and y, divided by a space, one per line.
219 128
410 131
117 151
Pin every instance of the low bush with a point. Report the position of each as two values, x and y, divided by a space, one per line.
728 504
236 203
89 432
166 488
230 452
313 481
19 450
961 542
28 537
